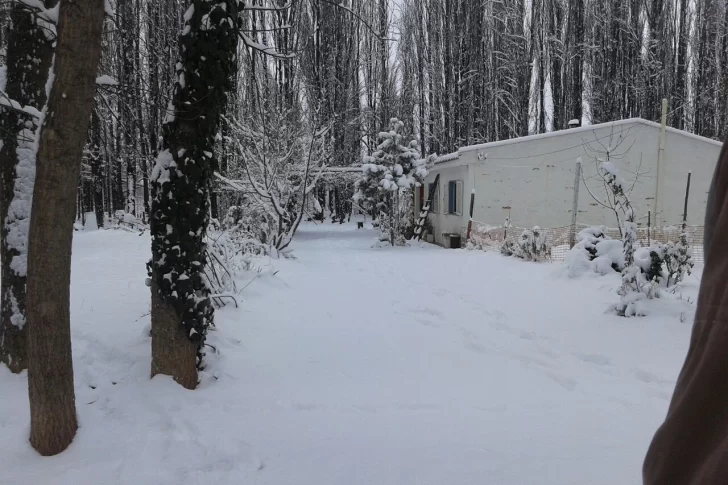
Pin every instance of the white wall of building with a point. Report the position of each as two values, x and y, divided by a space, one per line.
532 178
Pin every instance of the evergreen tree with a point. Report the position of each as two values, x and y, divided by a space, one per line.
389 174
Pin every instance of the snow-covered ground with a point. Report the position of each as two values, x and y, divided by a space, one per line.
361 366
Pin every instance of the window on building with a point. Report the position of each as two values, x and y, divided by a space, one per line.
433 189
455 197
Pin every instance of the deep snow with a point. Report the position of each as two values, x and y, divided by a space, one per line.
361 366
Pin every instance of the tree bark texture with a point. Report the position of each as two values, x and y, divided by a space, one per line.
50 372
173 353
26 84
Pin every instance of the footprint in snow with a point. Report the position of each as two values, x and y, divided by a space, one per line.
649 377
596 359
528 336
428 311
427 323
565 382
475 347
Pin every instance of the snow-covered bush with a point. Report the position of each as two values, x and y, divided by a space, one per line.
595 252
508 248
641 268
641 281
678 259
640 278
232 248
531 246
247 230
388 178
588 238
651 262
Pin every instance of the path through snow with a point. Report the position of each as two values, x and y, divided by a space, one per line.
361 366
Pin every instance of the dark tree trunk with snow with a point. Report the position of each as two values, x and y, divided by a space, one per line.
181 306
681 93
97 180
576 21
26 84
50 372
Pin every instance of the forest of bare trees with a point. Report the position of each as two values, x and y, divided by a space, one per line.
456 72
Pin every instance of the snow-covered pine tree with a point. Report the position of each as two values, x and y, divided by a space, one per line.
182 309
31 37
392 171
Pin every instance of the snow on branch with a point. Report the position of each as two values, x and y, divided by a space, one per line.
264 8
106 80
265 49
46 18
49 15
7 102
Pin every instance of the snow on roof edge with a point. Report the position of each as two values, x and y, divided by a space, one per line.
448 157
581 129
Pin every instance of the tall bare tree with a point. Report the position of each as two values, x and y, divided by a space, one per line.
50 371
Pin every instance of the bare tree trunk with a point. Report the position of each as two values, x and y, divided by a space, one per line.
97 181
682 65
384 73
26 85
50 373
577 10
556 52
391 220
172 350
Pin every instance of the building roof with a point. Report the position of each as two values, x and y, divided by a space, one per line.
582 129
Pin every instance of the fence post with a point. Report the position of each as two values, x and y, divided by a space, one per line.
687 196
649 227
470 220
575 205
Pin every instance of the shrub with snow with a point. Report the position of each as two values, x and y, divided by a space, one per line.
595 252
641 275
678 260
651 261
531 246
246 230
232 247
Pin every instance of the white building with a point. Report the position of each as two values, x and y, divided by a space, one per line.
532 179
